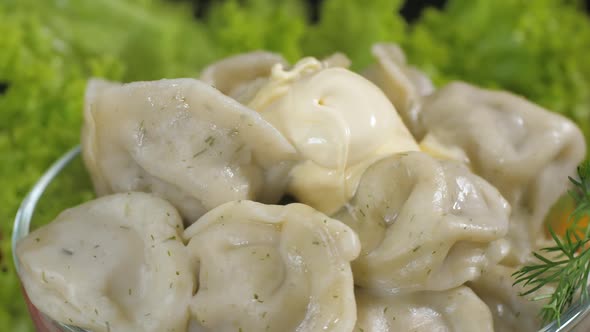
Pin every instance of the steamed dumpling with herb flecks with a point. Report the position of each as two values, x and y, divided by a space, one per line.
339 123
184 141
522 149
113 264
272 268
511 311
403 84
424 224
457 310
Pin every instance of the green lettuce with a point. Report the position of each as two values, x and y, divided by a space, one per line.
352 26
241 26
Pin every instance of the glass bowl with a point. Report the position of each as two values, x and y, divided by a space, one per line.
575 319
22 224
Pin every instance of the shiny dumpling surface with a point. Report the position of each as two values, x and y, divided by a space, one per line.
403 84
525 151
424 224
272 268
511 312
113 264
453 310
182 140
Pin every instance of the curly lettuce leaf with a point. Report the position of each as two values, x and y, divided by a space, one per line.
352 27
241 26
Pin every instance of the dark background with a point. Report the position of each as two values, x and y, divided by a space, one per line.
411 9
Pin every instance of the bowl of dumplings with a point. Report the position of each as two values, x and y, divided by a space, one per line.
269 196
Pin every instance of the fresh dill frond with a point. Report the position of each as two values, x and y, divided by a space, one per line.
566 265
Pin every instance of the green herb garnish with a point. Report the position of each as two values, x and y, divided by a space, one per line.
210 140
199 153
568 266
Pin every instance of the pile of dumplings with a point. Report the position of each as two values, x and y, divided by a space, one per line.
411 205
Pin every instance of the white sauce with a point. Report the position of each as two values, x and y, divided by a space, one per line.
339 122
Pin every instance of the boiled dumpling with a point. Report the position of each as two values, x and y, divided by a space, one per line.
339 123
424 224
242 76
272 268
454 310
337 60
184 141
511 312
239 75
113 264
522 149
404 85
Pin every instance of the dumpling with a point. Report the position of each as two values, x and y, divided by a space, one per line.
454 310
272 268
337 60
238 74
339 123
404 85
424 224
511 312
522 149
184 141
241 76
113 264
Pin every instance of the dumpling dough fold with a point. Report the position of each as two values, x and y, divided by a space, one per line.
457 310
522 149
424 224
184 141
511 312
113 264
241 74
403 84
273 268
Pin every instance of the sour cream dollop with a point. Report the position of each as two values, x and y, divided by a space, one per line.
339 122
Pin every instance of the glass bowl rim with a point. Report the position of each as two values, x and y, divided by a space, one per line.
24 215
575 314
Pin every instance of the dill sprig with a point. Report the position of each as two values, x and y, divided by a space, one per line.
566 265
